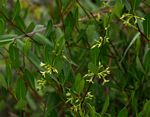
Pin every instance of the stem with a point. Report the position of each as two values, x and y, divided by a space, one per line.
143 35
87 90
83 9
15 26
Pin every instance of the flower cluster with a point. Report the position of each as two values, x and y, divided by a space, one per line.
76 100
98 43
48 69
41 84
127 18
102 74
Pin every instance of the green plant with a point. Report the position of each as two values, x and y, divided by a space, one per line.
72 58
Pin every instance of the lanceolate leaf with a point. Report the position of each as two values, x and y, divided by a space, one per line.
9 77
17 9
20 24
2 26
106 105
30 27
3 81
42 39
123 112
146 25
29 77
69 25
49 29
131 43
139 65
79 83
20 89
14 55
147 61
146 109
5 39
118 8
91 110
30 55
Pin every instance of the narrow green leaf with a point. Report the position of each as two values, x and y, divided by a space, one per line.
93 68
20 89
30 55
134 102
5 39
79 83
2 26
49 28
139 65
69 25
76 15
3 81
34 59
10 36
123 113
94 53
59 46
146 61
14 55
17 9
69 60
42 39
9 76
146 109
4 42
118 8
106 20
138 46
27 46
146 25
105 106
47 53
91 110
30 78
20 23
30 27
131 43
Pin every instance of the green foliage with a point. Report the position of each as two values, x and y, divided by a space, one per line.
74 58
123 112
146 25
146 110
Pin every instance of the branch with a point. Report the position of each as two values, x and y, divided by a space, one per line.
142 34
30 34
86 92
17 27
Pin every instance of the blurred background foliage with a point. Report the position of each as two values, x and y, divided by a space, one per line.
72 58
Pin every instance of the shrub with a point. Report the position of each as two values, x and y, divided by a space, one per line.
69 58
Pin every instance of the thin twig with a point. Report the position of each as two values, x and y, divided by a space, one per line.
83 9
17 27
143 35
86 92
30 34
